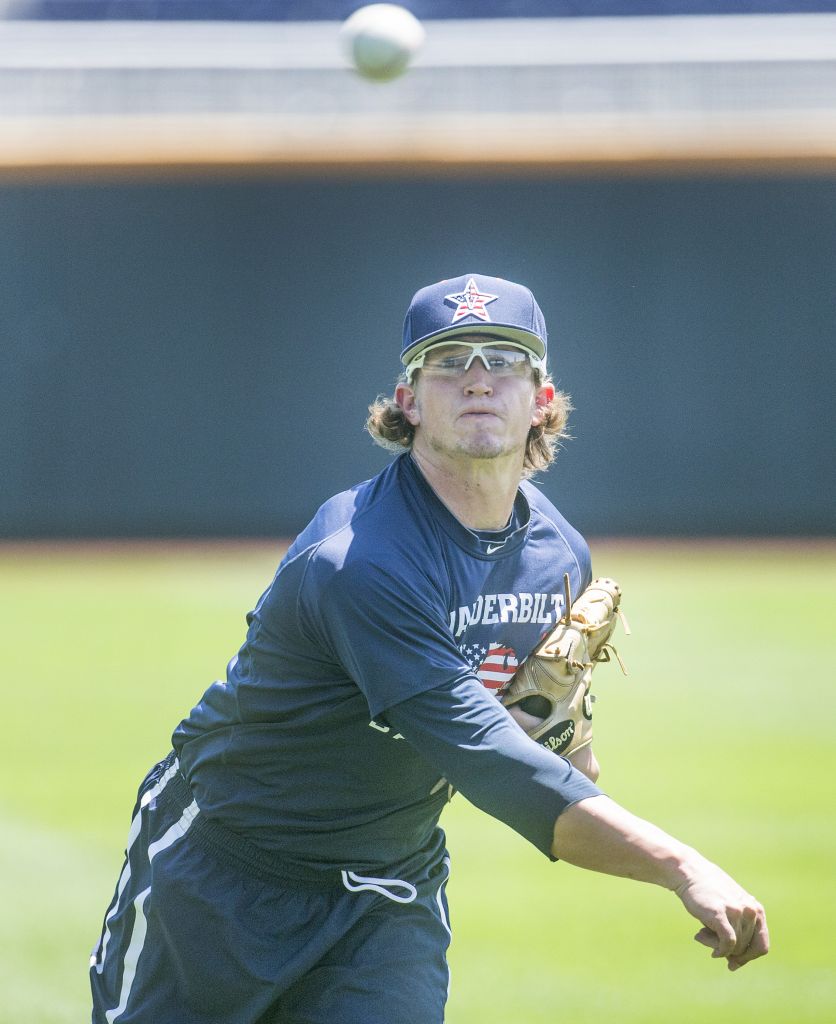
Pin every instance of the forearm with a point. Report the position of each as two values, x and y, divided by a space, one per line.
596 833
480 750
468 736
600 835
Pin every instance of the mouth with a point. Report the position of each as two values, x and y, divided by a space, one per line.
477 413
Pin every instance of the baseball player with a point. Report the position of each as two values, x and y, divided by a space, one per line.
284 861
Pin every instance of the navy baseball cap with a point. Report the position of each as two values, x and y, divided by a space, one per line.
473 304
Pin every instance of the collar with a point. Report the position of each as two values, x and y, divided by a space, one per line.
486 544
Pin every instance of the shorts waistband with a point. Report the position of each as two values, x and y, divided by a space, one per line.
237 851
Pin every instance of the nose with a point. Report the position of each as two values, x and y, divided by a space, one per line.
478 379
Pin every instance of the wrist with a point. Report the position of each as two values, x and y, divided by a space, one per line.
682 867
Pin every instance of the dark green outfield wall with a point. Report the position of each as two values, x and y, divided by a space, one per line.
197 357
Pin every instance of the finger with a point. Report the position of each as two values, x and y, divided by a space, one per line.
706 937
758 945
744 928
725 936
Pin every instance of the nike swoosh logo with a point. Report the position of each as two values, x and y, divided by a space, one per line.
495 547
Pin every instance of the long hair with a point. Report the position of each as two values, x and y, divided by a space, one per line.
391 430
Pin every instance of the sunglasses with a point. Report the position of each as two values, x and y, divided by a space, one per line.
506 359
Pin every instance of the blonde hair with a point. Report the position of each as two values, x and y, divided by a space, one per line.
390 428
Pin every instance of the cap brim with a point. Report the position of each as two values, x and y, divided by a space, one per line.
503 332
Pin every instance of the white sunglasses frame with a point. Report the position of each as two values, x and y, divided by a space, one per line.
476 349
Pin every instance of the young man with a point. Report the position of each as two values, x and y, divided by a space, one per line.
284 862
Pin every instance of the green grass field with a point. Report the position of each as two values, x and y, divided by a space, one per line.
724 733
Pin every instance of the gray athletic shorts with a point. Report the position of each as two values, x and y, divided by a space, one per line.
205 929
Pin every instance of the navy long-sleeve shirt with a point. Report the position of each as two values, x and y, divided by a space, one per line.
370 671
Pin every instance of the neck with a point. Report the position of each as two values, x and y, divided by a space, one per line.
479 492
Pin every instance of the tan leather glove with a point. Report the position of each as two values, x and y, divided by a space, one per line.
553 683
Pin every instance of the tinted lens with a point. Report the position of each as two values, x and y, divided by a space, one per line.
448 360
504 361
455 360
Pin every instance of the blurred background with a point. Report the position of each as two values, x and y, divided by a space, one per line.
210 230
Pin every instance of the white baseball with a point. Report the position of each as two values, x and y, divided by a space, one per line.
381 39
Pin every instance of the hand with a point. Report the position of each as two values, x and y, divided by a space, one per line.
583 758
734 923
597 834
585 761
523 719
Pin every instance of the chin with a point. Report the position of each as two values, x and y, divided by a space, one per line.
483 449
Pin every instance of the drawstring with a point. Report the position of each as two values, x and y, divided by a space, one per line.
359 883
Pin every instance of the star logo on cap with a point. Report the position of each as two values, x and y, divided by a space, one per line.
470 302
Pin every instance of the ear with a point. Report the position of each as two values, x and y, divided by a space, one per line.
406 400
543 396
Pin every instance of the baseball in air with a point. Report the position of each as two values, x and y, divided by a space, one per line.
381 40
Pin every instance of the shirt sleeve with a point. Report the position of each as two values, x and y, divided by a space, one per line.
388 631
473 741
585 562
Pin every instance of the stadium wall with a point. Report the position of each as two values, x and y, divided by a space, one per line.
195 357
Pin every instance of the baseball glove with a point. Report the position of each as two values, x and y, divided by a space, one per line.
552 685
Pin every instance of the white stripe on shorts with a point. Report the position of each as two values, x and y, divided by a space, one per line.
439 900
133 832
444 920
140 928
131 956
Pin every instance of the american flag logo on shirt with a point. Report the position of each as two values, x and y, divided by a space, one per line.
493 664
